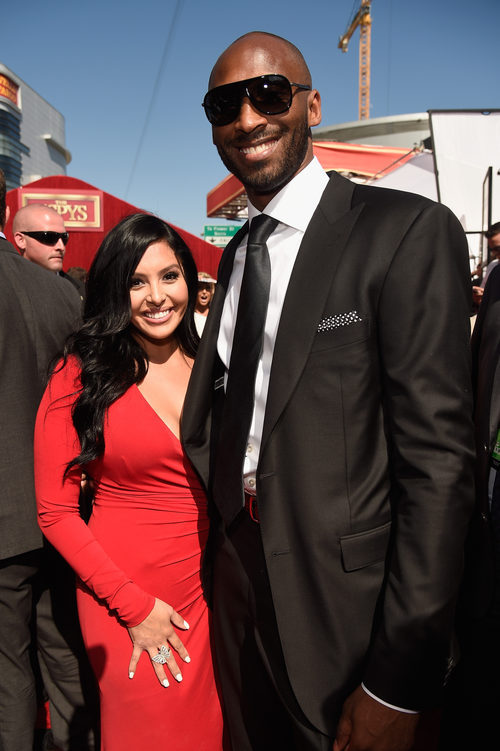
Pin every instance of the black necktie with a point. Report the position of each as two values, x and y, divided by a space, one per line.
245 353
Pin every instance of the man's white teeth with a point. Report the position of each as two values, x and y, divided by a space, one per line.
257 149
161 314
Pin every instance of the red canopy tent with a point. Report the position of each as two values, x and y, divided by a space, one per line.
89 214
228 198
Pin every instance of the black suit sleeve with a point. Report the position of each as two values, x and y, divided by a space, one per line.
423 324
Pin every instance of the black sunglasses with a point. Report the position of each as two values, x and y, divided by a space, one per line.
270 94
48 238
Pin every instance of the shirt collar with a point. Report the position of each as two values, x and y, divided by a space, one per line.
296 202
2 235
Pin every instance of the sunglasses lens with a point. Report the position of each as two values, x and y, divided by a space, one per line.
222 106
48 238
51 238
269 94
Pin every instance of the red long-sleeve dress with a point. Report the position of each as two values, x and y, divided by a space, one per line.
144 540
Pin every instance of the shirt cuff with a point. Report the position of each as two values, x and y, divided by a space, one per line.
386 704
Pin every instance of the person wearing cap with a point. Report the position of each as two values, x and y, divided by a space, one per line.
206 289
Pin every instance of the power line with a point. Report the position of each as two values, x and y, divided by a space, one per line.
155 90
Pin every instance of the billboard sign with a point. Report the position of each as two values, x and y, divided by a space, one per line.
81 210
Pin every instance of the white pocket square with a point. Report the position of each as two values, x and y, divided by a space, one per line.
342 319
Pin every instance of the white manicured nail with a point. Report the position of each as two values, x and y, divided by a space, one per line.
187 658
178 677
186 624
165 683
131 675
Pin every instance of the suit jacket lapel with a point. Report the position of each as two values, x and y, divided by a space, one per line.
311 280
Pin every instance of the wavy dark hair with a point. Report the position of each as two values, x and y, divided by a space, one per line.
111 359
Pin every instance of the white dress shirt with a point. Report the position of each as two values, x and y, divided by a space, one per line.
293 207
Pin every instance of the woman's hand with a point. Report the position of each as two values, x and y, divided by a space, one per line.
155 631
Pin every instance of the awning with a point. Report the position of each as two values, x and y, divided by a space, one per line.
417 176
228 199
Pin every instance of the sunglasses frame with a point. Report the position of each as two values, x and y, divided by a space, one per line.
241 90
42 236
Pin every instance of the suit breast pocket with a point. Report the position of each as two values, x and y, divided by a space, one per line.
341 330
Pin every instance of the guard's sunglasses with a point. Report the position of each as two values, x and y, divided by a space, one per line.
48 238
270 94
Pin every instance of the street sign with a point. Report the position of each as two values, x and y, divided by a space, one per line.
219 234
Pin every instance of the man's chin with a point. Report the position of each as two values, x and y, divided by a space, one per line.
255 176
267 181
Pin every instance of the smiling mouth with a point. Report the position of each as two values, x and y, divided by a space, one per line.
159 316
259 148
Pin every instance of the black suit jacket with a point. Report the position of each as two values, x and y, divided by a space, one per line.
365 471
486 382
37 311
486 377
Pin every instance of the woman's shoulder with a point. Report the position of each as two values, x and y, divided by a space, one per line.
65 378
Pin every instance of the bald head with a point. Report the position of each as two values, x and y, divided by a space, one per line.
267 50
39 218
262 127
33 216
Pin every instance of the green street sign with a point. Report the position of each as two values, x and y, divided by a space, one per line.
221 230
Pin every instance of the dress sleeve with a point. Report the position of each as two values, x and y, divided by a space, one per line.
56 444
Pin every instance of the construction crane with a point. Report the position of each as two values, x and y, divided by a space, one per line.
364 21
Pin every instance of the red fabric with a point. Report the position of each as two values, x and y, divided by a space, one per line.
144 539
43 717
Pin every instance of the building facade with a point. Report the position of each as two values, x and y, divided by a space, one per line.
403 131
32 133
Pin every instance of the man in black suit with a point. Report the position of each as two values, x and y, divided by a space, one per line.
471 711
38 620
41 237
334 570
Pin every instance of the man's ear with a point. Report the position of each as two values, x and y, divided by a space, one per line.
314 108
20 241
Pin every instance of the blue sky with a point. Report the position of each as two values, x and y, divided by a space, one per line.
97 62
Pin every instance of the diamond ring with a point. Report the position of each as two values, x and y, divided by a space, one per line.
162 656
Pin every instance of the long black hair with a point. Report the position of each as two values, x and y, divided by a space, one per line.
111 359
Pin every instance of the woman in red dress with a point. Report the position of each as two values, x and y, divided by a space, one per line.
112 410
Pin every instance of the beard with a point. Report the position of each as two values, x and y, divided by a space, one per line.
273 175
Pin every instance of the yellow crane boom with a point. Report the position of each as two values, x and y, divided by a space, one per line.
364 21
